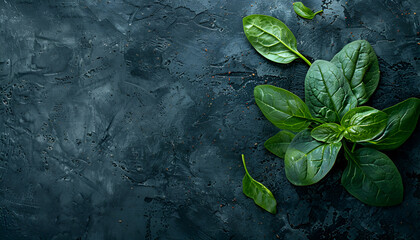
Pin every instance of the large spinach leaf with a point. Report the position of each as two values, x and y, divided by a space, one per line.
372 178
328 132
272 38
278 143
282 108
303 11
327 93
255 190
307 161
359 64
402 120
363 123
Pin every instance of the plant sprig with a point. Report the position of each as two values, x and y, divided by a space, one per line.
332 116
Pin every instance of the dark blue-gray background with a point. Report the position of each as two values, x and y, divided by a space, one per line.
126 120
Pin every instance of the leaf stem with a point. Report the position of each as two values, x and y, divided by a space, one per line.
354 147
320 11
304 59
243 161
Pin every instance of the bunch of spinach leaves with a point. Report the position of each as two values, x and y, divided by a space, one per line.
331 118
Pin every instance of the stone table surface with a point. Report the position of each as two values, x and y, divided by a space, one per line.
126 120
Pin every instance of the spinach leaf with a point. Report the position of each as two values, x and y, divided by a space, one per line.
327 93
255 190
372 178
359 64
328 132
282 108
307 161
402 120
272 38
278 143
303 11
363 123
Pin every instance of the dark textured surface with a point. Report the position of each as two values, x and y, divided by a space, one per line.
126 120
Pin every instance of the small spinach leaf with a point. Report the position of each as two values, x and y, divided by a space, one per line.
328 132
363 123
303 11
372 178
278 143
255 190
402 120
327 93
272 38
307 161
282 108
359 64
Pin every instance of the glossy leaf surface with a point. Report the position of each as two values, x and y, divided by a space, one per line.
271 38
278 143
328 132
363 123
282 108
402 120
327 93
303 11
307 161
258 192
359 64
372 178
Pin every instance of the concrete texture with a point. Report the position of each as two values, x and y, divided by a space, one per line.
126 120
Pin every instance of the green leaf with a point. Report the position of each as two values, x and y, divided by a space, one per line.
272 38
363 123
278 143
402 120
328 132
359 64
255 190
282 108
372 178
303 11
327 93
307 161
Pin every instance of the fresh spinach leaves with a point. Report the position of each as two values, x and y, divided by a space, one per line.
327 93
328 132
278 143
282 108
330 118
363 123
402 120
359 65
272 38
303 11
255 190
372 177
307 161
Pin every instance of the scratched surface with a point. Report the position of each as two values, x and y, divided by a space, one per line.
126 120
